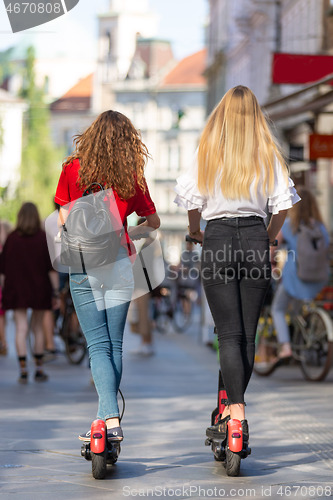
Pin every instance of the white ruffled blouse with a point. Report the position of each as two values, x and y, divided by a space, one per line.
214 207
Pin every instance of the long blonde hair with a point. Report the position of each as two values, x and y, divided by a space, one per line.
236 148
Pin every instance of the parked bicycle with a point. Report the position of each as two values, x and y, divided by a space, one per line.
173 307
311 334
68 328
162 308
183 307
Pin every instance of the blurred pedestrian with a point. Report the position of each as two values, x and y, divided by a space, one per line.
29 283
188 282
109 152
239 169
50 315
142 304
5 229
305 214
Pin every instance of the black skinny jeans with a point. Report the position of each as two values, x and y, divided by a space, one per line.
236 272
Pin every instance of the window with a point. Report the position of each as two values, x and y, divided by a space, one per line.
296 153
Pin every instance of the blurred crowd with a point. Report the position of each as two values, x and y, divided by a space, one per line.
31 288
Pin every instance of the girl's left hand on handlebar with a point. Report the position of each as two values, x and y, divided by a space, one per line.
198 238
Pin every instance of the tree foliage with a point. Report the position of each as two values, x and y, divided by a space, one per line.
40 159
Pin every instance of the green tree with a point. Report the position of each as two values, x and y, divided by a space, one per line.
40 158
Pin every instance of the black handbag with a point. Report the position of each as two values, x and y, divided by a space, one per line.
89 238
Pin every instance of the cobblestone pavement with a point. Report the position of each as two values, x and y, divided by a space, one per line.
169 398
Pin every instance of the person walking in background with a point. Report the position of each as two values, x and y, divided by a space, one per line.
49 316
141 306
304 215
239 169
109 152
188 277
29 282
5 229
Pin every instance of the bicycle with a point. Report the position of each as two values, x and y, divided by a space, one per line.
68 328
175 310
311 336
183 307
162 308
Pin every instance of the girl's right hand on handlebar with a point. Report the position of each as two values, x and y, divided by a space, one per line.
139 232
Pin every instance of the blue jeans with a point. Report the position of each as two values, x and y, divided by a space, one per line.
101 298
278 310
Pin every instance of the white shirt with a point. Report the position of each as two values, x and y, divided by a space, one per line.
216 206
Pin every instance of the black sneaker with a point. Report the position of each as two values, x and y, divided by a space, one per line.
41 376
219 430
115 434
23 378
86 436
246 434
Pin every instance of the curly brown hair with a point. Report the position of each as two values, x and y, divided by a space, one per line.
111 152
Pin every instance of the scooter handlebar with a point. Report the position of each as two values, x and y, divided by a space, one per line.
192 240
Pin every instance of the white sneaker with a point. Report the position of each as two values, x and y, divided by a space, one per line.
144 350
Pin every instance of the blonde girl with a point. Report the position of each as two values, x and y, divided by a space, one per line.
238 173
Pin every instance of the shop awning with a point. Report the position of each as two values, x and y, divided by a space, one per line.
300 68
307 99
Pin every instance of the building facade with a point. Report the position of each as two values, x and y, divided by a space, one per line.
11 127
137 75
245 39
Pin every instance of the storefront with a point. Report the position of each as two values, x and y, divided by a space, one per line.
299 117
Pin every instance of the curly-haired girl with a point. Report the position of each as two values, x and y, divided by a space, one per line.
111 153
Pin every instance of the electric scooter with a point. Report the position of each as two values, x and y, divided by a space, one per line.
100 451
232 449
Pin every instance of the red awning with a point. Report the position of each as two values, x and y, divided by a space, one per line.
300 68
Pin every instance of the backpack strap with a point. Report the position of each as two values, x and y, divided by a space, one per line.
89 189
82 260
150 288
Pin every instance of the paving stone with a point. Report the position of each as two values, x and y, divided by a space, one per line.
169 398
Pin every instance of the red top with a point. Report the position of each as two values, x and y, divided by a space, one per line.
68 190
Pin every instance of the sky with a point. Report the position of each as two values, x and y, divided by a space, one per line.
180 21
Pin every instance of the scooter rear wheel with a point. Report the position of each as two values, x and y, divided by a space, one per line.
98 463
232 463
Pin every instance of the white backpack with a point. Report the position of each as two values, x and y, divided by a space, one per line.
312 255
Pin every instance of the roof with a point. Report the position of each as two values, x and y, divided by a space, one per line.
189 71
77 98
